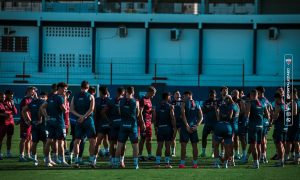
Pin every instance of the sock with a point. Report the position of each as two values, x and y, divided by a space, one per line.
106 150
244 153
112 160
195 162
47 160
76 159
182 162
226 162
217 161
21 155
117 162
203 150
122 159
167 159
173 150
237 152
135 161
222 153
157 160
286 156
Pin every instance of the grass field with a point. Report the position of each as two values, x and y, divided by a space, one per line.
11 169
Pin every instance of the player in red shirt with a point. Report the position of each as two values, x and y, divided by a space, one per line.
67 118
9 124
4 129
25 126
146 112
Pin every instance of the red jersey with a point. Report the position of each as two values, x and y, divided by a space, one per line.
2 110
25 101
146 104
11 110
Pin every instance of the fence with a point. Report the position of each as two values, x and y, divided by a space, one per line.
141 7
117 72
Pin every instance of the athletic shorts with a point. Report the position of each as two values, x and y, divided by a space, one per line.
85 129
114 133
55 131
185 136
128 132
38 134
293 134
255 135
179 123
147 133
279 136
103 129
6 130
164 133
235 128
223 131
25 130
219 139
266 127
242 129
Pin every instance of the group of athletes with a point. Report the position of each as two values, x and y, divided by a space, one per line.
111 121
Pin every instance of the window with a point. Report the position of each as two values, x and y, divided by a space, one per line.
14 44
21 44
7 44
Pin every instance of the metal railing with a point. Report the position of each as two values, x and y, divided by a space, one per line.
140 7
113 72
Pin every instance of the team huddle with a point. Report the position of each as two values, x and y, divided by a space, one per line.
232 120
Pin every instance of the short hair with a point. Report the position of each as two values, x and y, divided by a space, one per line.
85 84
241 90
43 93
165 95
188 92
61 85
151 89
9 91
54 86
103 90
130 89
120 90
260 89
212 91
92 90
223 87
253 92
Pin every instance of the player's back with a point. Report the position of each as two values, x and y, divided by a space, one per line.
280 124
163 116
128 110
34 108
256 113
101 104
54 108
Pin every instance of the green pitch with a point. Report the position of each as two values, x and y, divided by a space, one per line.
11 169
